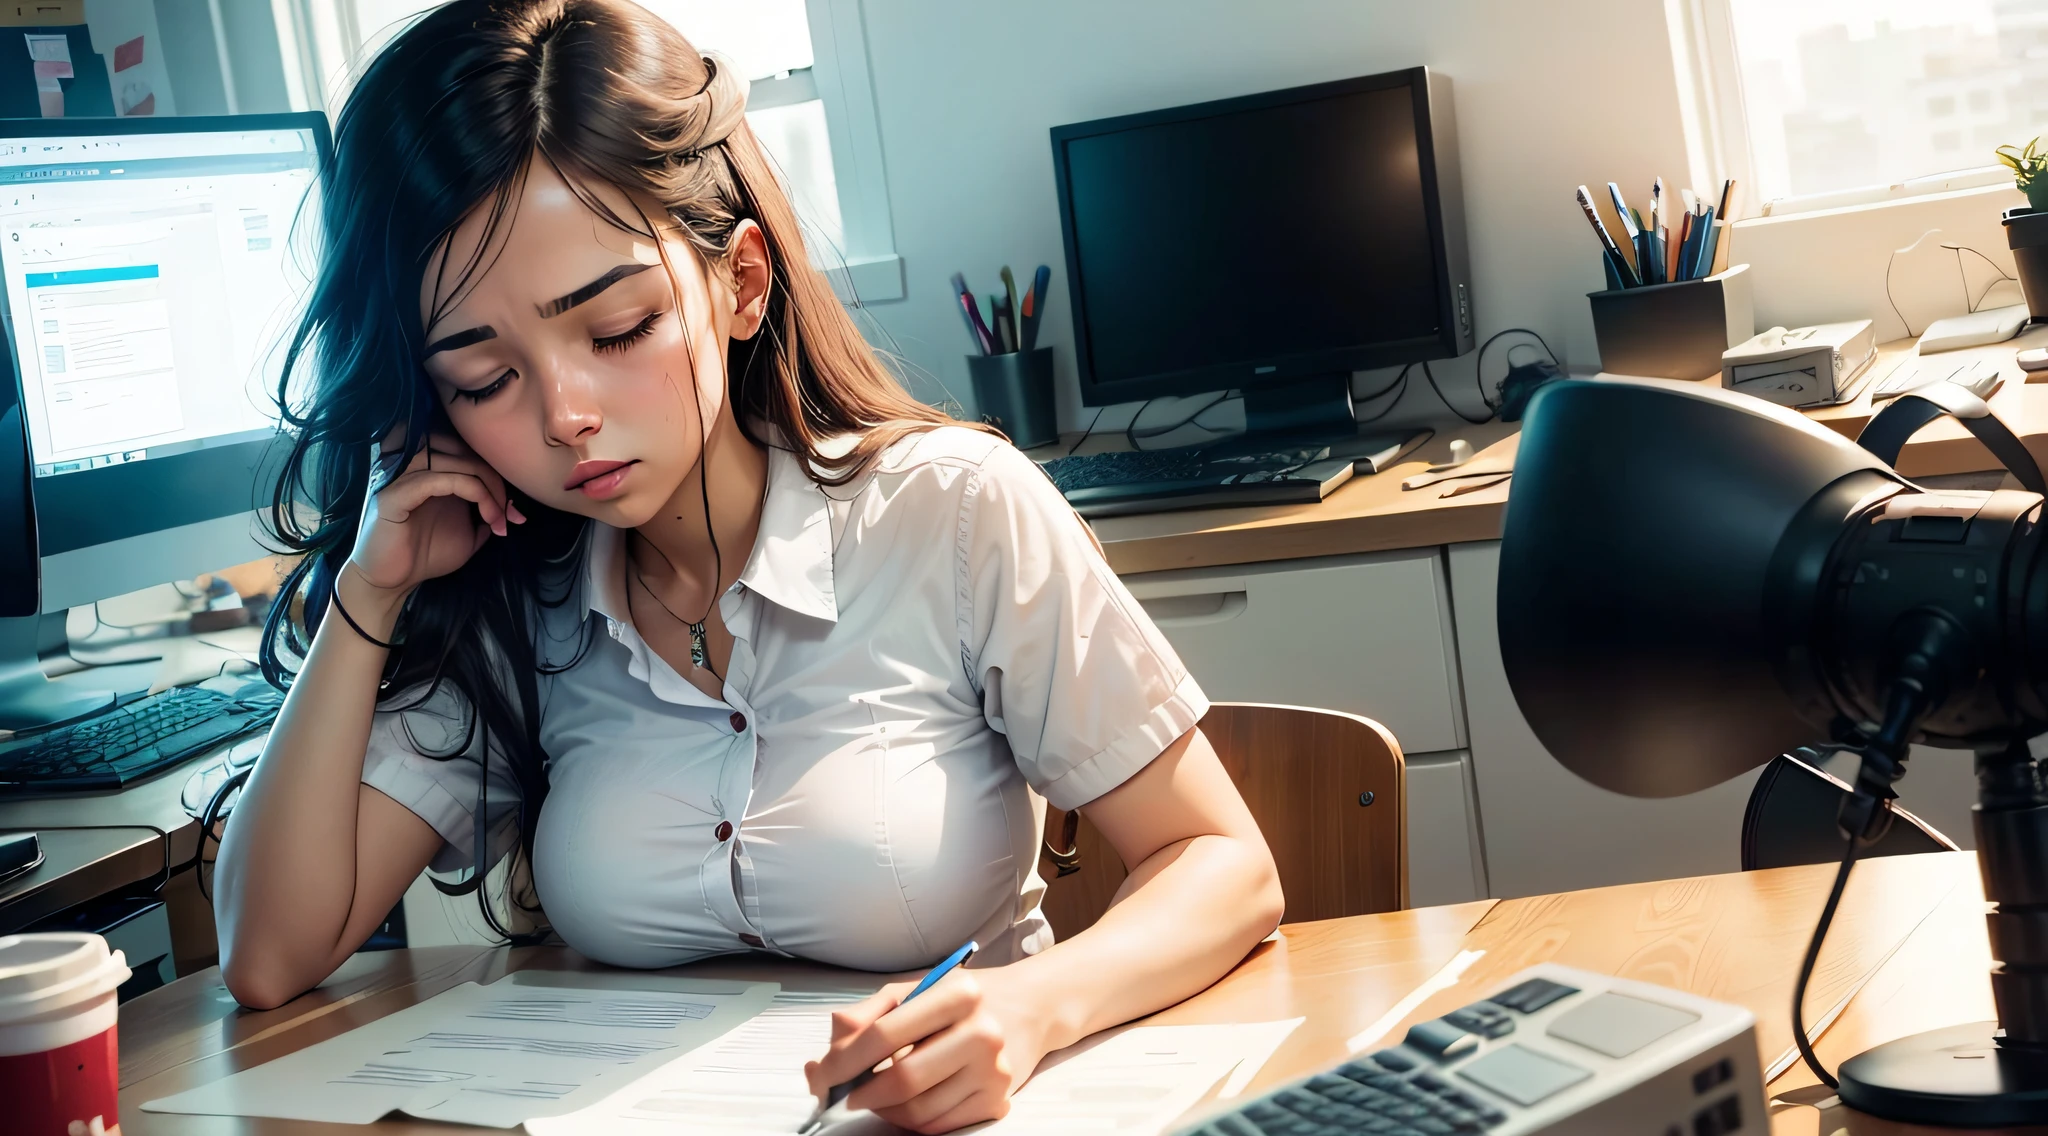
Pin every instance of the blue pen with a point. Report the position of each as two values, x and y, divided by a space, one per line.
841 1091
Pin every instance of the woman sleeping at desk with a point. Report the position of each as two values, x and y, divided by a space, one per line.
627 558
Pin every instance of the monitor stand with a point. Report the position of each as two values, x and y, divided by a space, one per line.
1313 412
27 696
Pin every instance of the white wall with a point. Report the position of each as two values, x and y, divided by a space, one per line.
1548 95
1831 265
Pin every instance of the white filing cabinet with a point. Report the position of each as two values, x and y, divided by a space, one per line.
1371 635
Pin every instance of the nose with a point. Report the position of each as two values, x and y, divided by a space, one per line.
573 416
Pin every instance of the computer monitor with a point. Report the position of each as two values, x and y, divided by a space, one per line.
1271 244
150 271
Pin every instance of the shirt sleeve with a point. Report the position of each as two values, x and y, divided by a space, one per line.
423 756
1069 667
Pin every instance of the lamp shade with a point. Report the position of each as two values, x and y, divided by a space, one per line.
1644 569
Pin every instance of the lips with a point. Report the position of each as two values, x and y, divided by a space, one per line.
596 478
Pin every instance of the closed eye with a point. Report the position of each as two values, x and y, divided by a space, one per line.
483 392
626 338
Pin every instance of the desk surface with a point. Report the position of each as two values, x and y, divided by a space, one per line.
1909 942
1374 514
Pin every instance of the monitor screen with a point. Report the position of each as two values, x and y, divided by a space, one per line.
149 288
1253 237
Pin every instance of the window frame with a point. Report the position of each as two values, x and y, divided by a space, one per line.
1717 121
866 270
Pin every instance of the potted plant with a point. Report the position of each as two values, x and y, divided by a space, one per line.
2026 230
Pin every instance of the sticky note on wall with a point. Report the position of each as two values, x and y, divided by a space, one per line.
128 54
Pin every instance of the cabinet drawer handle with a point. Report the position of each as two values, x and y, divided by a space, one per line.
1195 610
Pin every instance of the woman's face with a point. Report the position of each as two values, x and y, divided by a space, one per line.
574 365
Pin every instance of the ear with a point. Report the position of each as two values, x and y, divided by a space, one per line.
752 277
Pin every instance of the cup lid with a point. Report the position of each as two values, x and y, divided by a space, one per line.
39 972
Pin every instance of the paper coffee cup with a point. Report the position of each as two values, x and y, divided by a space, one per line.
59 1058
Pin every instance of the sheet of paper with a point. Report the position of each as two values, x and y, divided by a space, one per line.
751 1083
532 1044
1138 1082
49 47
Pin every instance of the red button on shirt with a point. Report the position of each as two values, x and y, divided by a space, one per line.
739 722
724 831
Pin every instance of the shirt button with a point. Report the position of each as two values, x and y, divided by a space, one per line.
739 722
723 832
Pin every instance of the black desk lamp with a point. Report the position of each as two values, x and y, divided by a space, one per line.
1692 582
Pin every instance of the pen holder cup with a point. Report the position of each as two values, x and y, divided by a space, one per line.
1673 331
1014 394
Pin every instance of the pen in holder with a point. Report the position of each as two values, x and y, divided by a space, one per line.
1014 393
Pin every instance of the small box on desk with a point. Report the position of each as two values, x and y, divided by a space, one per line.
1673 331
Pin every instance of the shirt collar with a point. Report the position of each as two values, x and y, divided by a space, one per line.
791 564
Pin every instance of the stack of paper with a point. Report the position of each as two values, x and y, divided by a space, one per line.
529 1045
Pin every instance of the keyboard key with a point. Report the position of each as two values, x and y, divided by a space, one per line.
1440 1039
1394 1059
1483 1018
1533 995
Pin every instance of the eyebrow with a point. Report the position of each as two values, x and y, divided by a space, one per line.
548 310
562 304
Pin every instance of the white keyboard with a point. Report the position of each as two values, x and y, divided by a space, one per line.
1556 1050
1979 376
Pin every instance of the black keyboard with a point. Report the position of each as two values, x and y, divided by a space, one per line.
1124 467
140 737
1132 481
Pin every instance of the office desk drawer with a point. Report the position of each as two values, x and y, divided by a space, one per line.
1367 634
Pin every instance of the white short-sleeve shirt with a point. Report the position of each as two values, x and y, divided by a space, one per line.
914 654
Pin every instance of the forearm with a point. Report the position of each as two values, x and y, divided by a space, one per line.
1183 917
286 878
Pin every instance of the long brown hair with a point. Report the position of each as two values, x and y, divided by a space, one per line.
447 120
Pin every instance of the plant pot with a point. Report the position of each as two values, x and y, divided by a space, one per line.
2026 234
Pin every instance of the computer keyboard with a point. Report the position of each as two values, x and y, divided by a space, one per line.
1979 376
1107 484
1557 1050
134 740
1124 467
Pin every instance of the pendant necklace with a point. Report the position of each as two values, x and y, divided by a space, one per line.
700 655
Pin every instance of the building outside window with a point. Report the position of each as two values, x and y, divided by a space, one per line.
1847 100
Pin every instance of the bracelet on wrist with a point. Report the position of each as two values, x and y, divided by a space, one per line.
334 601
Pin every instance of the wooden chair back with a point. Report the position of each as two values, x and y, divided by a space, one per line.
1328 790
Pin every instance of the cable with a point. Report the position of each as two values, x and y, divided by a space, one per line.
1479 361
1431 376
1399 387
1131 433
1820 932
208 817
1087 432
1133 424
1968 303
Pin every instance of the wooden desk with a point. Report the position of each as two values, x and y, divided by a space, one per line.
1913 926
1374 514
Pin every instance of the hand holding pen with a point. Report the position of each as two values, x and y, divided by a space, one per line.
957 1045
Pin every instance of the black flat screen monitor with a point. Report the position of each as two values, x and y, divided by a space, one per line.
1257 241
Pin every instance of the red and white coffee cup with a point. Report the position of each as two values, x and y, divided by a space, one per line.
59 1057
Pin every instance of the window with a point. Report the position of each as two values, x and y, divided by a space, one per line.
812 108
1842 101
